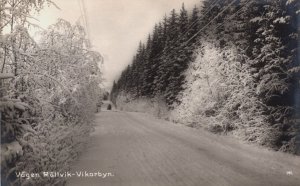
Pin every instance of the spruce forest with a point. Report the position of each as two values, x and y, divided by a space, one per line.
229 66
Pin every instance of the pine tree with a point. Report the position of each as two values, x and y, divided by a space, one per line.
146 87
194 25
169 59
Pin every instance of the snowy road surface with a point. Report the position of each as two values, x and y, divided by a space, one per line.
140 150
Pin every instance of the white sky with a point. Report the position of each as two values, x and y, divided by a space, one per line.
116 26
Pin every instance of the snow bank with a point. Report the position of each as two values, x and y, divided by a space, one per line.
155 106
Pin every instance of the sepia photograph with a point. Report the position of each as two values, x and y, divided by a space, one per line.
150 92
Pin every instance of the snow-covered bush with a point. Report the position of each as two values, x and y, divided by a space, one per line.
220 95
55 90
62 85
11 111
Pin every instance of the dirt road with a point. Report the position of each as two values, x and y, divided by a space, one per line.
139 150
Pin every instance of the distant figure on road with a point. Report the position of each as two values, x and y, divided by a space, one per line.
109 107
99 107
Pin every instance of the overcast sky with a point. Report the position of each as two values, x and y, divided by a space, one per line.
115 26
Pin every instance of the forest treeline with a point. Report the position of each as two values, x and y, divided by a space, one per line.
229 66
49 90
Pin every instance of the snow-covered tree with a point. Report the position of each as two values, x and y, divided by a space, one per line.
49 91
63 88
14 42
220 95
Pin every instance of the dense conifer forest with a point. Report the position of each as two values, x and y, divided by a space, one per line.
231 66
